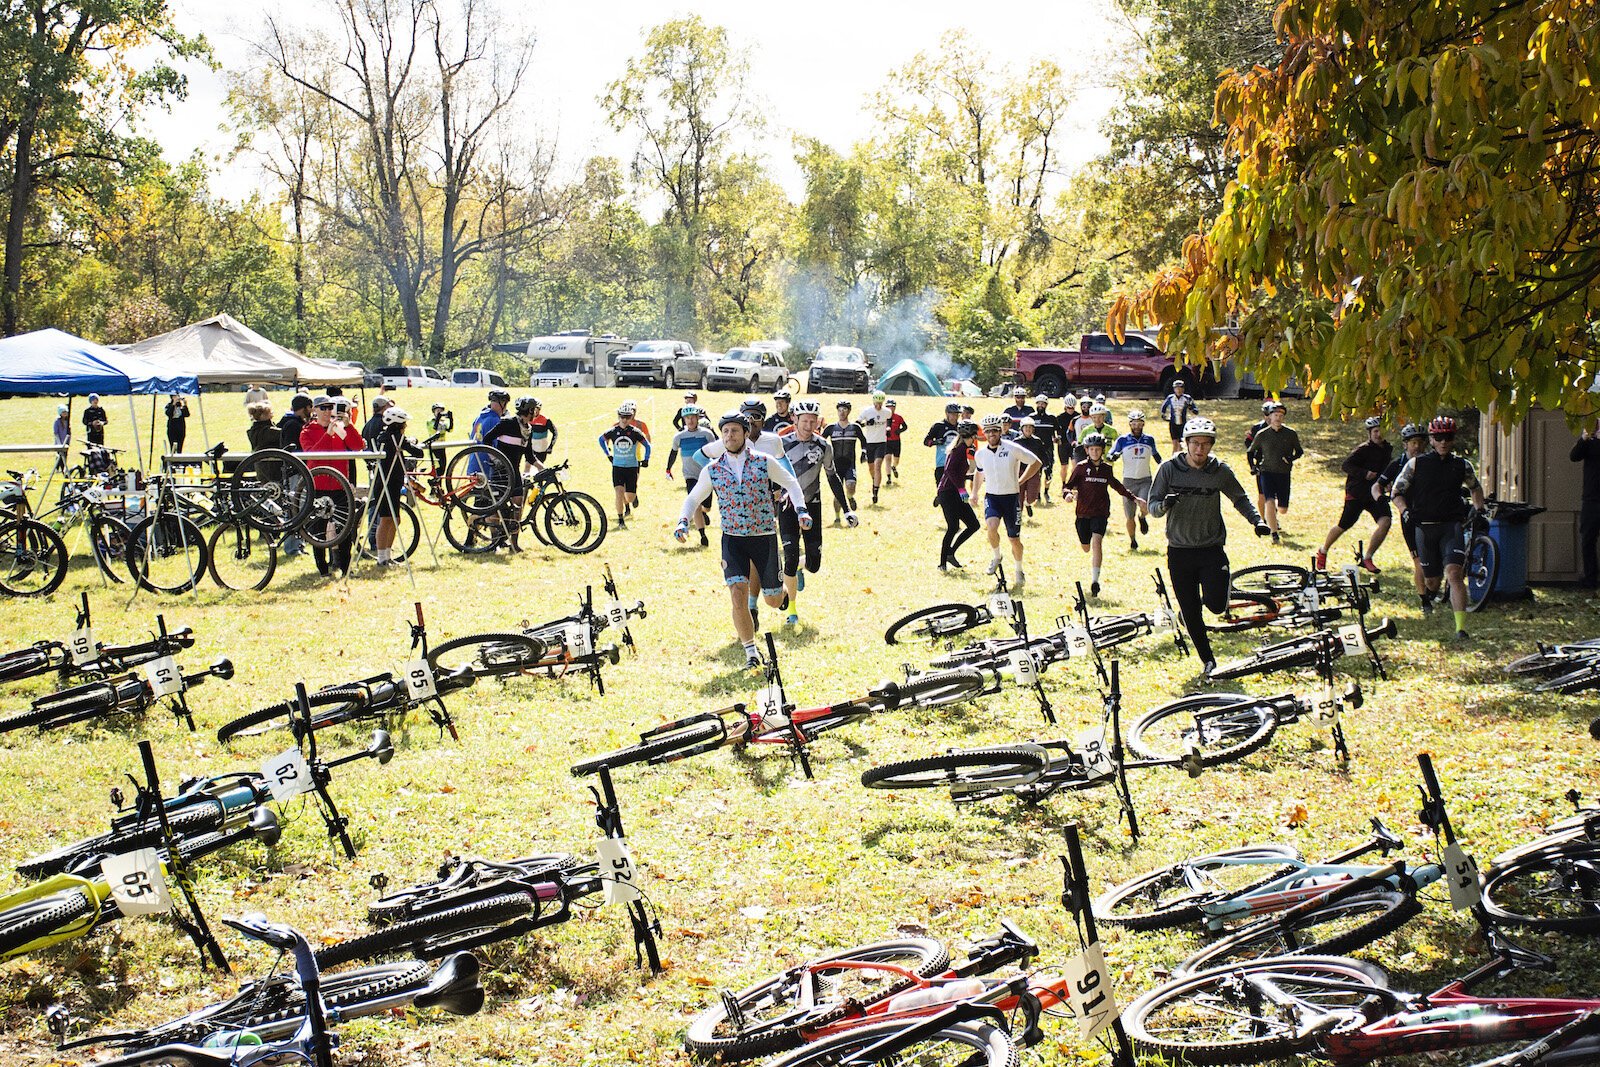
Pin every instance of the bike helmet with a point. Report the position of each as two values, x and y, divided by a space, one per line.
438 407
499 396
394 415
1100 398
1177 383
889 403
1411 431
843 405
1027 420
1099 409
1277 405
734 418
526 405
695 410
1091 440
966 428
952 409
1199 427
994 422
1018 390
878 394
754 408
782 394
1442 426
1136 414
627 409
1266 407
1070 400
1086 401
806 407
1372 422
1040 398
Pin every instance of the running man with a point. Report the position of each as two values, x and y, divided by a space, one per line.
782 416
1178 408
1066 438
1082 424
1413 439
1187 490
1428 492
1000 468
1273 451
628 448
1137 450
960 521
743 479
768 444
891 442
690 399
1028 437
1092 481
845 436
942 436
810 456
689 442
1249 438
1044 427
874 424
1362 468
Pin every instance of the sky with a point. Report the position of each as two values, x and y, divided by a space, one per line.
814 66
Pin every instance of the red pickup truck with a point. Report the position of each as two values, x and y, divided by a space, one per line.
1101 362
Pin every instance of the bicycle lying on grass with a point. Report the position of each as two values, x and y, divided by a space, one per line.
81 653
126 695
1310 649
946 620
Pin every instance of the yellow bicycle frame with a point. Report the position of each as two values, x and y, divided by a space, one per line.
98 891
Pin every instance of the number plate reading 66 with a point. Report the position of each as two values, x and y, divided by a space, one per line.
1089 988
1000 606
575 635
419 680
287 775
1353 639
1163 621
616 614
1022 663
1091 745
616 867
80 646
163 676
136 882
1461 871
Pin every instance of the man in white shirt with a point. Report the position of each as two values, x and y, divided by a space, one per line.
874 423
1000 467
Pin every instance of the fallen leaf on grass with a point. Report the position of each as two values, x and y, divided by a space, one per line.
1298 816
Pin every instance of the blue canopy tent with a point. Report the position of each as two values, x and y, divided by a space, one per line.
911 377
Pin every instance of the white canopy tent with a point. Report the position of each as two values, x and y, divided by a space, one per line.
222 350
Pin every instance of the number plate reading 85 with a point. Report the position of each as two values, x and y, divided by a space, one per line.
616 868
287 775
137 884
419 680
1091 745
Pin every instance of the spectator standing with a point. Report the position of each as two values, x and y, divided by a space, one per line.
374 425
254 393
94 421
177 412
330 431
1586 450
289 429
61 433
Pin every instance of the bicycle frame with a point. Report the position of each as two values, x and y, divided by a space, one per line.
95 889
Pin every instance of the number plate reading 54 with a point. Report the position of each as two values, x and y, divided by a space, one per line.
1462 873
616 867
136 882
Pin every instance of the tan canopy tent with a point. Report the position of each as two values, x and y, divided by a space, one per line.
224 351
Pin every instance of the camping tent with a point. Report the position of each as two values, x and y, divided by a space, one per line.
224 351
910 377
51 361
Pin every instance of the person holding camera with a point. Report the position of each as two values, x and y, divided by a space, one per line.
330 431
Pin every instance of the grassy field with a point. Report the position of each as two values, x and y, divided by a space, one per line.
750 866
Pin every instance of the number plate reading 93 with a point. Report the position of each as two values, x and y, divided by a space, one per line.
616 868
137 884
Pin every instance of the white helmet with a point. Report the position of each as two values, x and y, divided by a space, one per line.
1266 406
1136 414
1070 400
1372 422
394 415
627 407
994 422
1199 426
806 407
1099 409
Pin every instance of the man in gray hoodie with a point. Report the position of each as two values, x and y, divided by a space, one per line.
1187 490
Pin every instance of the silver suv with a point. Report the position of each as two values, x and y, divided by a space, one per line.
748 370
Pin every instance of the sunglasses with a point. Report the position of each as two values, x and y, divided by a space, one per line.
1443 436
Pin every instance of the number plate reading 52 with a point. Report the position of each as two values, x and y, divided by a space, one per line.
616 867
137 884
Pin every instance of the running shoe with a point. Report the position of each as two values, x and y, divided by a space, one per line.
1369 566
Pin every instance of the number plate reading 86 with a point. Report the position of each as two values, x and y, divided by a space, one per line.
616 614
616 868
137 884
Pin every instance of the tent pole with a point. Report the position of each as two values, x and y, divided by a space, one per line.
205 433
133 422
153 398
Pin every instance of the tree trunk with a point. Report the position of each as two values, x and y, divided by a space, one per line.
17 220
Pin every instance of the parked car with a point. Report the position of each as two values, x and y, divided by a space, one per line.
663 363
406 377
749 370
1099 361
476 378
839 369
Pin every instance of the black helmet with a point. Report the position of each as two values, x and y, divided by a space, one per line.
734 418
754 408
526 405
499 396
952 408
967 428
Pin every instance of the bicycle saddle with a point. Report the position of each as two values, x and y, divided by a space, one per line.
1386 838
454 986
256 926
1515 955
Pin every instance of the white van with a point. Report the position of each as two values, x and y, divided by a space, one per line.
476 378
405 377
569 360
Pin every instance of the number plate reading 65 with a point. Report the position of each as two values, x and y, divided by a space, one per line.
137 884
287 775
419 680
163 676
616 868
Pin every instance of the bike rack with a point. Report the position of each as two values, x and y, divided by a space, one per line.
195 926
1077 893
608 817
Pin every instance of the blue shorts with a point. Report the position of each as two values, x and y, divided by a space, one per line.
1274 487
1007 506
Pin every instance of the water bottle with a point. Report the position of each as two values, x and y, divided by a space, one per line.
940 993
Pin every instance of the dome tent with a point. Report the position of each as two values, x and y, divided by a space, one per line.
911 377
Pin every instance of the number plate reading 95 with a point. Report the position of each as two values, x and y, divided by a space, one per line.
616 868
137 884
287 775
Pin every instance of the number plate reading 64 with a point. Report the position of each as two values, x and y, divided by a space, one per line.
136 882
163 676
616 868
287 775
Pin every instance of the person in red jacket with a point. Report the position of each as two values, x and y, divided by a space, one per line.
330 431
1093 482
897 426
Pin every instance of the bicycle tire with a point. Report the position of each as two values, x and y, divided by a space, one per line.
423 935
1554 888
1480 570
1219 738
1270 862
1375 912
104 700
246 725
1187 1005
331 514
33 558
272 490
407 535
198 819
167 538
941 620
472 534
655 750
1117 631
709 1036
31 662
933 689
1299 652
26 923
231 544
1246 611
424 897
978 1044
1556 658
108 541
562 513
1277 580
492 654
488 492
1580 680
981 767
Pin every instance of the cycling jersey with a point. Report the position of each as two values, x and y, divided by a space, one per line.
1001 467
1018 412
541 435
941 437
1433 487
809 458
897 425
689 444
743 483
1136 453
778 422
845 439
1094 483
509 435
1177 410
1368 458
625 446
874 423
1044 428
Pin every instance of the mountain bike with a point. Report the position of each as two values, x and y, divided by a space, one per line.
126 695
83 504
1219 727
946 620
286 1017
1551 883
82 653
1555 659
33 558
573 521
1310 649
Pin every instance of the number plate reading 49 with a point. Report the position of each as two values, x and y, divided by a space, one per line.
616 868
136 882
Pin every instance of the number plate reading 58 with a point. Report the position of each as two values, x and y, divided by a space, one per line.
616 867
136 882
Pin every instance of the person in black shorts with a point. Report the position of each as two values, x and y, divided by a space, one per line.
846 438
1429 492
627 446
390 480
1413 439
1362 468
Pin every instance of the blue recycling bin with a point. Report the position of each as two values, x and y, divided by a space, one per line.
1508 529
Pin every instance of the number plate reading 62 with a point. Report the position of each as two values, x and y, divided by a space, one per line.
137 884
419 680
616 868
287 775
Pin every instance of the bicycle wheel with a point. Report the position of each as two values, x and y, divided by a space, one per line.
30 662
1331 930
1165 897
1245 611
487 654
1217 1017
108 539
334 702
187 822
332 512
657 749
272 490
480 479
473 534
1286 655
1556 658
33 559
931 690
1579 680
1555 888
26 923
1481 569
1222 726
574 522
167 553
979 767
768 1017
241 557
427 936
451 890
974 1044
1276 580
1117 631
941 620
407 534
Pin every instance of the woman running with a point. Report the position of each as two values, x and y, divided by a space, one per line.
961 522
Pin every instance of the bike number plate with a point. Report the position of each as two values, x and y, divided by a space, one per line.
1091 745
1022 663
81 647
1163 621
616 867
137 884
1325 712
575 635
1462 873
769 701
616 614
287 775
1089 989
1077 640
1001 606
163 676
1353 639
1310 599
419 680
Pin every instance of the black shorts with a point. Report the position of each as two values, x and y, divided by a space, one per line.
847 473
891 448
1439 545
385 500
626 478
1274 487
874 450
760 552
1354 507
1088 527
1006 507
